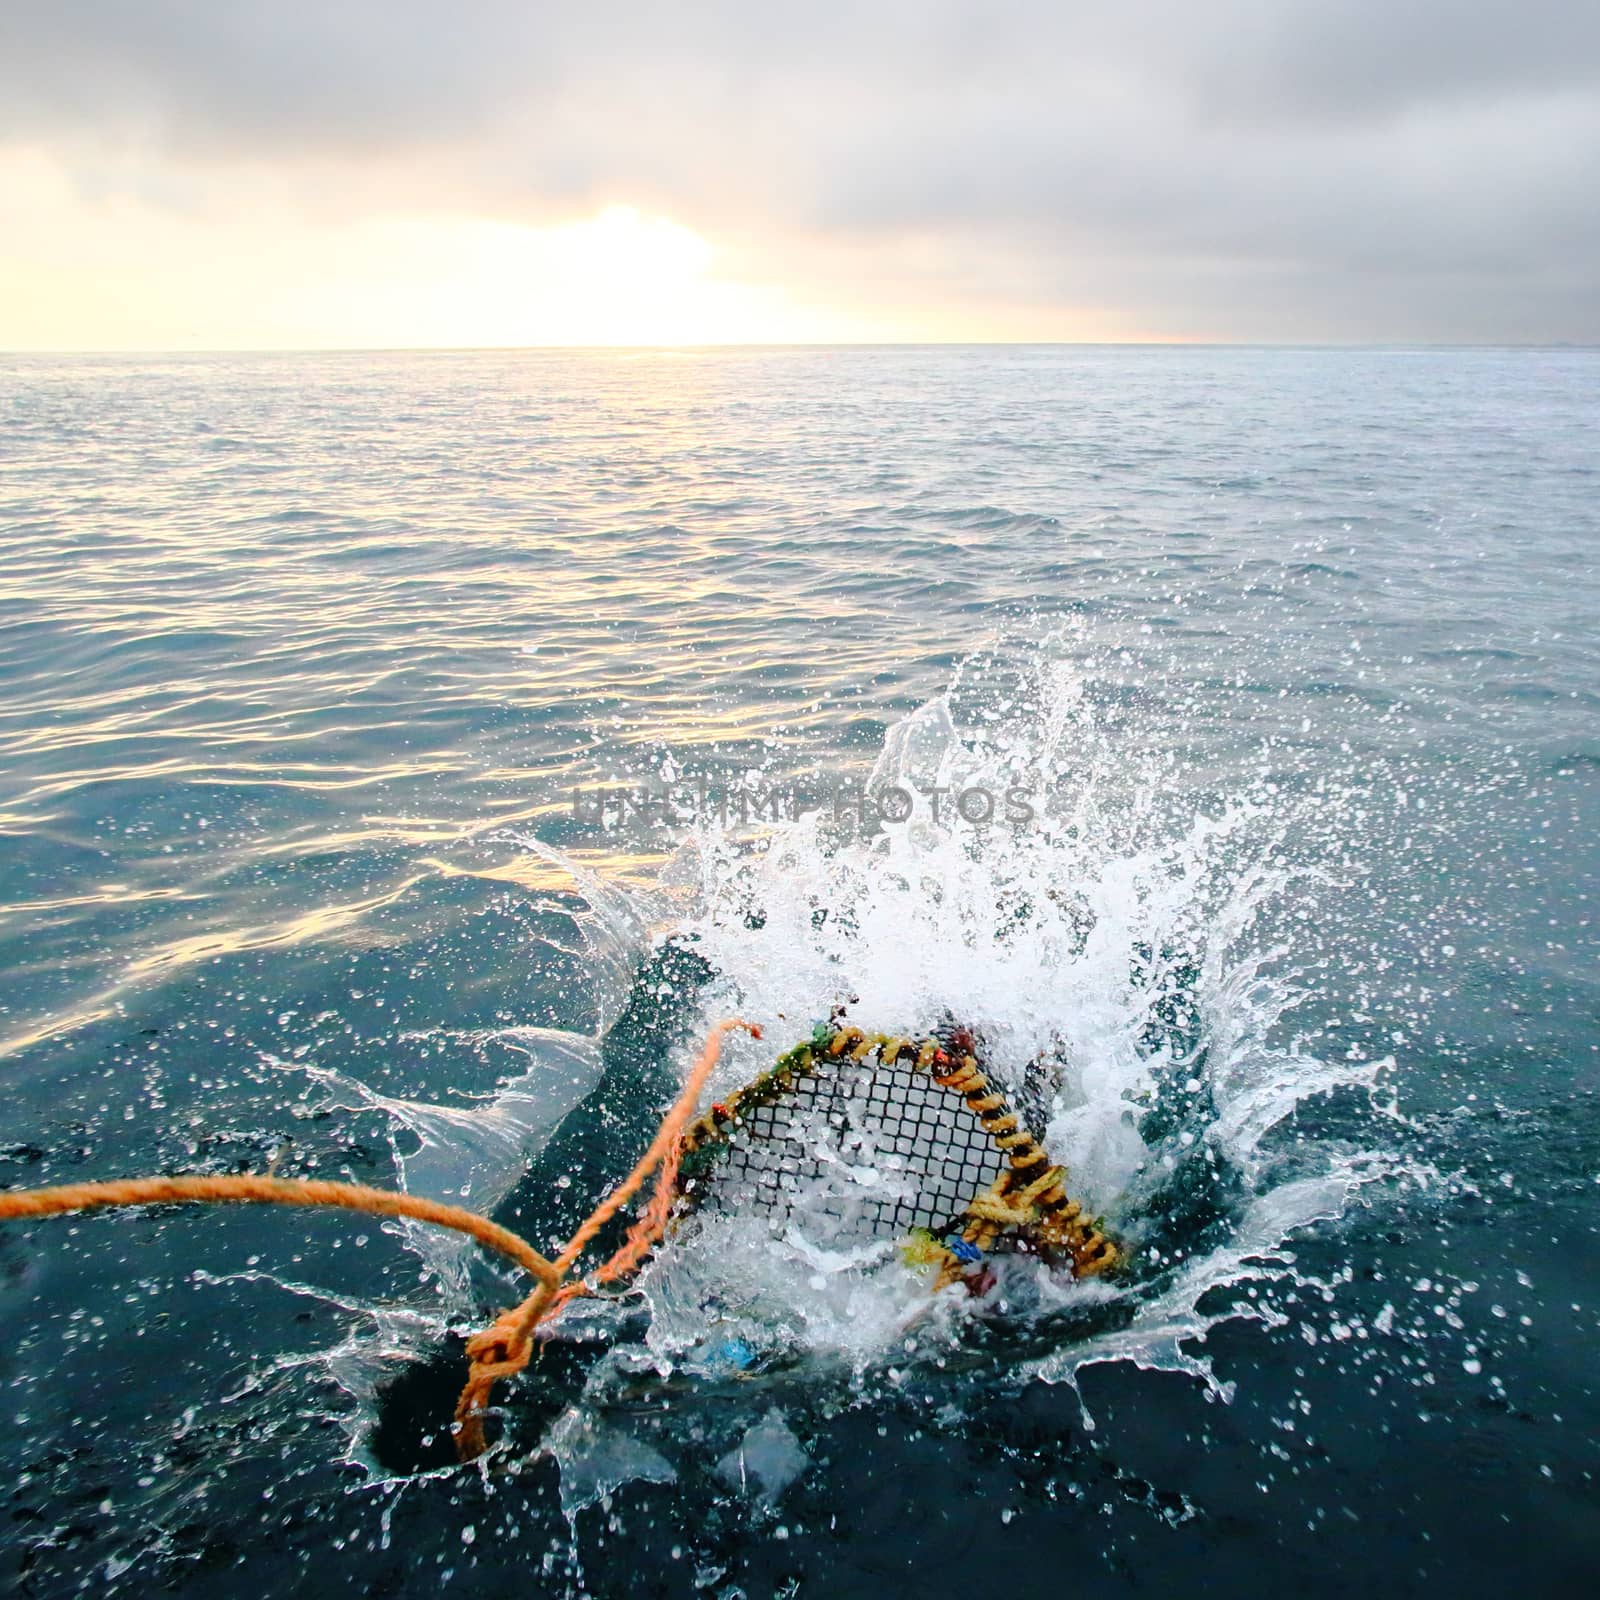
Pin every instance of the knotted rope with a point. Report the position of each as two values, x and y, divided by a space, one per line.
501 1349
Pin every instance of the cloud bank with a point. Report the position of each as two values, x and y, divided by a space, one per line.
1244 169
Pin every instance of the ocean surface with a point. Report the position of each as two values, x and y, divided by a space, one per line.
404 757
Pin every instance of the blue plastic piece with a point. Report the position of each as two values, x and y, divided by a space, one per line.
728 1355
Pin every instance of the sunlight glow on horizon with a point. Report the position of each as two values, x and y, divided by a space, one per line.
115 271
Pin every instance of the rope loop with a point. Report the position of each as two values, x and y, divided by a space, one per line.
502 1349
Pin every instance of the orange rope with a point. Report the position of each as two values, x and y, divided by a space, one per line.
247 1189
501 1349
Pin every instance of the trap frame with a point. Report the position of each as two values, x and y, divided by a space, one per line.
979 1178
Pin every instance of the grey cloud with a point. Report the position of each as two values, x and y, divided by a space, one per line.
243 70
1275 168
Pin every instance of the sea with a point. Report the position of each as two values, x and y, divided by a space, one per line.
406 757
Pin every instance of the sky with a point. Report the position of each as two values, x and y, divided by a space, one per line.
243 174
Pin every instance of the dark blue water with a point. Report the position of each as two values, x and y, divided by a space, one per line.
303 659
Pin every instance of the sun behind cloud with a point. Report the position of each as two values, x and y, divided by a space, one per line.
617 278
116 271
110 259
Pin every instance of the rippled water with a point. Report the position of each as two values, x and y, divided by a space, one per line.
1294 652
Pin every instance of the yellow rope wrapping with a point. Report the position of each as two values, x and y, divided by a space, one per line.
1028 1195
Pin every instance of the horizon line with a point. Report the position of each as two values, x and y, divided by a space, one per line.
808 344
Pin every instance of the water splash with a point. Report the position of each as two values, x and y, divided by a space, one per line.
472 1155
1126 955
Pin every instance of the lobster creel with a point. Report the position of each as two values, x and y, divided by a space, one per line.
890 1137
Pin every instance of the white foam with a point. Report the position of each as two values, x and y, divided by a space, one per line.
1060 940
